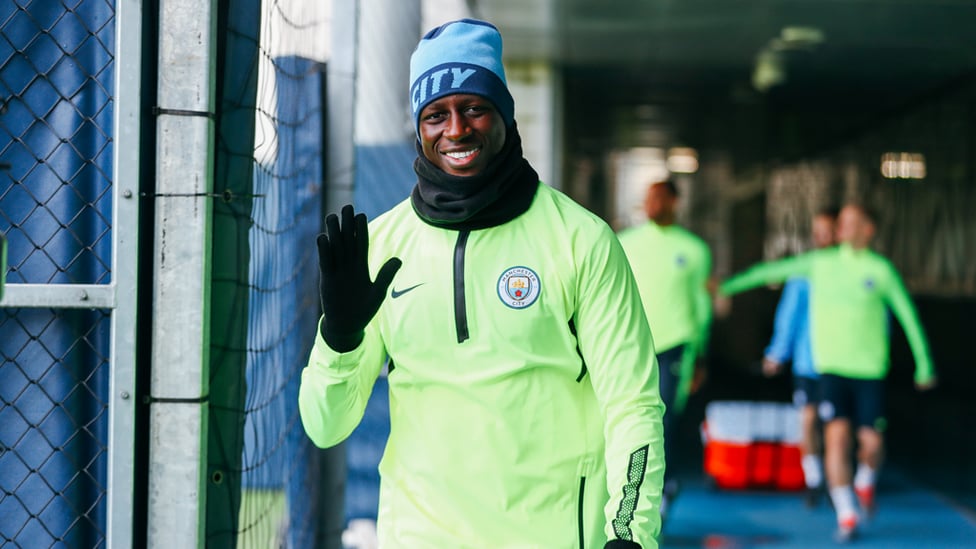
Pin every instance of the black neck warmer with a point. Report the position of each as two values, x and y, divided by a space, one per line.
502 192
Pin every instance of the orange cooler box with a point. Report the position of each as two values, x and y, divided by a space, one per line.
752 445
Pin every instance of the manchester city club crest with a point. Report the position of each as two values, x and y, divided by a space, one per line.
519 287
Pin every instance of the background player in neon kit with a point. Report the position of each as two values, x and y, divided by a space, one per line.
851 290
524 400
791 342
672 266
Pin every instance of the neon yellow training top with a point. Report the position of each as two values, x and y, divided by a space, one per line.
671 266
524 402
850 293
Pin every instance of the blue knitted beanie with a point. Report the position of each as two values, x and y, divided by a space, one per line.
463 56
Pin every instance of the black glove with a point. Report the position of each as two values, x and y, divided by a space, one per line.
621 544
349 298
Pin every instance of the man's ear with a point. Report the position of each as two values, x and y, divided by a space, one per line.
870 230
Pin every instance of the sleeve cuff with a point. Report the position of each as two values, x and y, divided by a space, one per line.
323 355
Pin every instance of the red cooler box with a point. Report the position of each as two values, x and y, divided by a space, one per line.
752 445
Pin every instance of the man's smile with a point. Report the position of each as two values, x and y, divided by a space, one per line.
461 155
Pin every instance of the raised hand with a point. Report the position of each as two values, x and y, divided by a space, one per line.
349 298
771 367
927 386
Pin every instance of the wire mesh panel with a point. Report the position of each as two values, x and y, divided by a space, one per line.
55 134
56 88
53 427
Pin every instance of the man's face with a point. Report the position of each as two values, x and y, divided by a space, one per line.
823 231
659 203
854 228
461 133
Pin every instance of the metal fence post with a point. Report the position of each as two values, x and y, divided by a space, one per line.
180 346
127 130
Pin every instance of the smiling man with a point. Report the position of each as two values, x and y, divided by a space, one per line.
524 401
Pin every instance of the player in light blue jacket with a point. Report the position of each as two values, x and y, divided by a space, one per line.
791 342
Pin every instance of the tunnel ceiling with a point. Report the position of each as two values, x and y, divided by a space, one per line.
830 55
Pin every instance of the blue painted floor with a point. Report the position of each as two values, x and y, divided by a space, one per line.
908 516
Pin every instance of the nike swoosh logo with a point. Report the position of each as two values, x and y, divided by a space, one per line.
395 294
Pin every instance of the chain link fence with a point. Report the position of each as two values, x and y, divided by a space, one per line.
56 210
53 426
56 115
56 126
